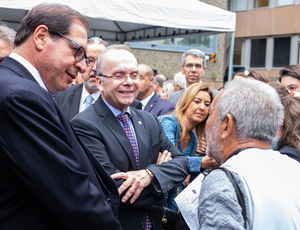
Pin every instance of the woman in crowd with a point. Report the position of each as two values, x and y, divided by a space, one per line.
290 77
167 89
288 135
258 76
191 113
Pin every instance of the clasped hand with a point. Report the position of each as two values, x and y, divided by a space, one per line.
136 181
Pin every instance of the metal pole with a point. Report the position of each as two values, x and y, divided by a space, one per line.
230 68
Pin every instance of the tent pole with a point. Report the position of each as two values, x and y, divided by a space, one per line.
122 38
230 68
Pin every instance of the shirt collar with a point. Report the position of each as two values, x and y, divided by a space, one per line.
85 93
116 111
34 72
146 100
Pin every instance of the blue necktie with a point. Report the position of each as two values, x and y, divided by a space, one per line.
53 96
88 101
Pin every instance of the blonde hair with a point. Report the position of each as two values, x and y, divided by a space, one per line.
185 100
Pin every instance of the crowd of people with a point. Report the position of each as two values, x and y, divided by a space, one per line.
91 139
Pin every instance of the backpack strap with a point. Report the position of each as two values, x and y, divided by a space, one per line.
238 192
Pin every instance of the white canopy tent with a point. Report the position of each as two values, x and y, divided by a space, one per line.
138 20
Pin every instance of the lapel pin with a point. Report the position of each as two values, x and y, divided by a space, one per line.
140 122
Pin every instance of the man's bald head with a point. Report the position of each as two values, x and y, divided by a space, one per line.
146 84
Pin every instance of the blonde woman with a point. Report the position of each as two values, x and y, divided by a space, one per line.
191 113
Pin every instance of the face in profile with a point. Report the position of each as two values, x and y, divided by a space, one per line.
291 83
197 110
214 149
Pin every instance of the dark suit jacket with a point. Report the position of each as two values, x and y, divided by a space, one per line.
69 100
158 106
100 130
48 177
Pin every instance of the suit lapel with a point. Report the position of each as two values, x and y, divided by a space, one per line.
151 103
18 68
76 100
111 122
141 137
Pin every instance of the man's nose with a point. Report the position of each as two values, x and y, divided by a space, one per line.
81 65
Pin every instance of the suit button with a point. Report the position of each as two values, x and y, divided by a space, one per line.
143 225
109 201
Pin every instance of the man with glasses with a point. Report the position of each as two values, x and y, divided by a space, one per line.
193 67
79 97
49 179
130 143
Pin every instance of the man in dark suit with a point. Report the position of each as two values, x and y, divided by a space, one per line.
129 142
49 179
150 101
78 97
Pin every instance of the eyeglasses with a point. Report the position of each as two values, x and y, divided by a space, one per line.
80 53
190 66
122 77
91 61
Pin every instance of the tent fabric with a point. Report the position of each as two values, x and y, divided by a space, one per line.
137 20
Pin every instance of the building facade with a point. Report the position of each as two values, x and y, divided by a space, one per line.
267 34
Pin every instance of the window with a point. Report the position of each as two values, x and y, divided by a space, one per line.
258 53
207 44
238 51
281 56
260 3
238 5
284 2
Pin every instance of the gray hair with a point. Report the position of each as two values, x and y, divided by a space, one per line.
179 79
255 106
99 68
160 79
7 34
169 86
193 52
97 40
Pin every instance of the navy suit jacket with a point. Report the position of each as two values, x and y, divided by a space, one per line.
69 100
100 130
159 106
48 177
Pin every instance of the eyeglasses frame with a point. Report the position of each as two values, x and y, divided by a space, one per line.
75 44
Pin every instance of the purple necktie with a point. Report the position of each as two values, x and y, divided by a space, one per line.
124 119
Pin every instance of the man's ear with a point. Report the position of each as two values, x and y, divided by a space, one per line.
99 83
151 80
40 36
227 126
182 70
